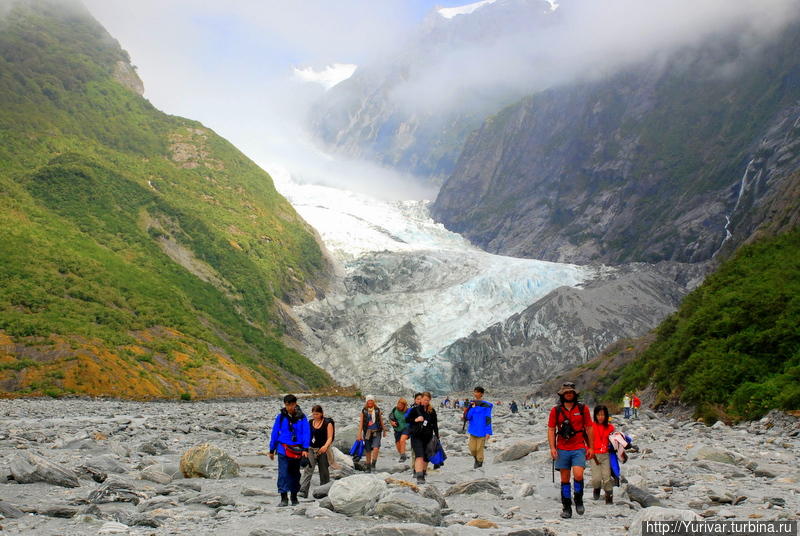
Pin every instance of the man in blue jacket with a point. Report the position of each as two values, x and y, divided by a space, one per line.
478 415
291 438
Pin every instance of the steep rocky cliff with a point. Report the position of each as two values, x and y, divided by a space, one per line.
570 326
644 166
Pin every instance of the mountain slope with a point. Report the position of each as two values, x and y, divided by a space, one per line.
143 255
733 346
643 166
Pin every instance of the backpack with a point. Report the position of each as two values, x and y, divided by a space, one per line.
565 428
327 421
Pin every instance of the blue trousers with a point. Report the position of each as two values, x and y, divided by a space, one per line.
627 413
288 474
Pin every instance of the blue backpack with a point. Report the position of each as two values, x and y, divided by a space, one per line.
439 456
357 450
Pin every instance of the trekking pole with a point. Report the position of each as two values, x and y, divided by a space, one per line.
554 470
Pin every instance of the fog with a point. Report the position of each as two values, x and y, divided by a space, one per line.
581 40
251 69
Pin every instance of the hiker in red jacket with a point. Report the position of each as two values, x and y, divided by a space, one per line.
571 443
636 403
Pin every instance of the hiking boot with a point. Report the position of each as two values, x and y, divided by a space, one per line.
609 497
566 505
284 500
420 478
596 494
374 467
579 509
403 457
477 465
295 502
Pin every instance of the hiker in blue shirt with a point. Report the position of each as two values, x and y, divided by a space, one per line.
291 439
478 415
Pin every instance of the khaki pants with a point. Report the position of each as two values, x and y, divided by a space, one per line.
476 447
601 474
321 461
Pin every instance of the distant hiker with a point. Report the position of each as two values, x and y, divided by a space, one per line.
478 415
322 430
291 439
601 468
447 402
626 405
636 403
514 407
569 438
371 429
397 418
424 426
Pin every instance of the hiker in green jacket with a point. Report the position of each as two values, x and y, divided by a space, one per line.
397 418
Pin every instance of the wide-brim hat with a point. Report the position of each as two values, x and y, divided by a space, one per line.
566 387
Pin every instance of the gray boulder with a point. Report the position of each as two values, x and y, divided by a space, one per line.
704 452
400 529
208 461
409 506
10 511
432 492
116 490
153 475
321 492
28 468
643 497
104 464
517 451
471 487
356 494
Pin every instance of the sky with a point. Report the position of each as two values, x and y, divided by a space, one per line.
242 67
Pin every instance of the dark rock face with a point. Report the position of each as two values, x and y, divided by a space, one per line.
569 326
644 166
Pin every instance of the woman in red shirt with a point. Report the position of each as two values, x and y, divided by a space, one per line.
601 468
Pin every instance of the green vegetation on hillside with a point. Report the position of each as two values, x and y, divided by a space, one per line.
124 227
733 347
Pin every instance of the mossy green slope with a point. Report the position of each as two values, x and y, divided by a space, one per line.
733 347
135 241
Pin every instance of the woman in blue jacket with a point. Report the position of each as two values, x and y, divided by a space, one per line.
291 438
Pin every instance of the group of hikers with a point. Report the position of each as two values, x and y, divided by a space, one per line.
574 435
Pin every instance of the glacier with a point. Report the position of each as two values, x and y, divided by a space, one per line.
406 288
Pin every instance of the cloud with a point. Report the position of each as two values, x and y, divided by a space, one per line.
327 77
580 40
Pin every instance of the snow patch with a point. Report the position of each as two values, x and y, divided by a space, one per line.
327 77
450 12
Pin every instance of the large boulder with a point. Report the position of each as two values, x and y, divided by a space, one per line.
29 468
471 487
400 529
356 494
410 507
641 496
208 461
345 437
657 513
517 451
714 454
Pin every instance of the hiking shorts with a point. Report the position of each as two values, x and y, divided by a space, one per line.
374 442
399 433
567 459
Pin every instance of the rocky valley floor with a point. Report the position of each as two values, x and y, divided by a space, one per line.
109 467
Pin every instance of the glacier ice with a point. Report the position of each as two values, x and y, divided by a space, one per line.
408 287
